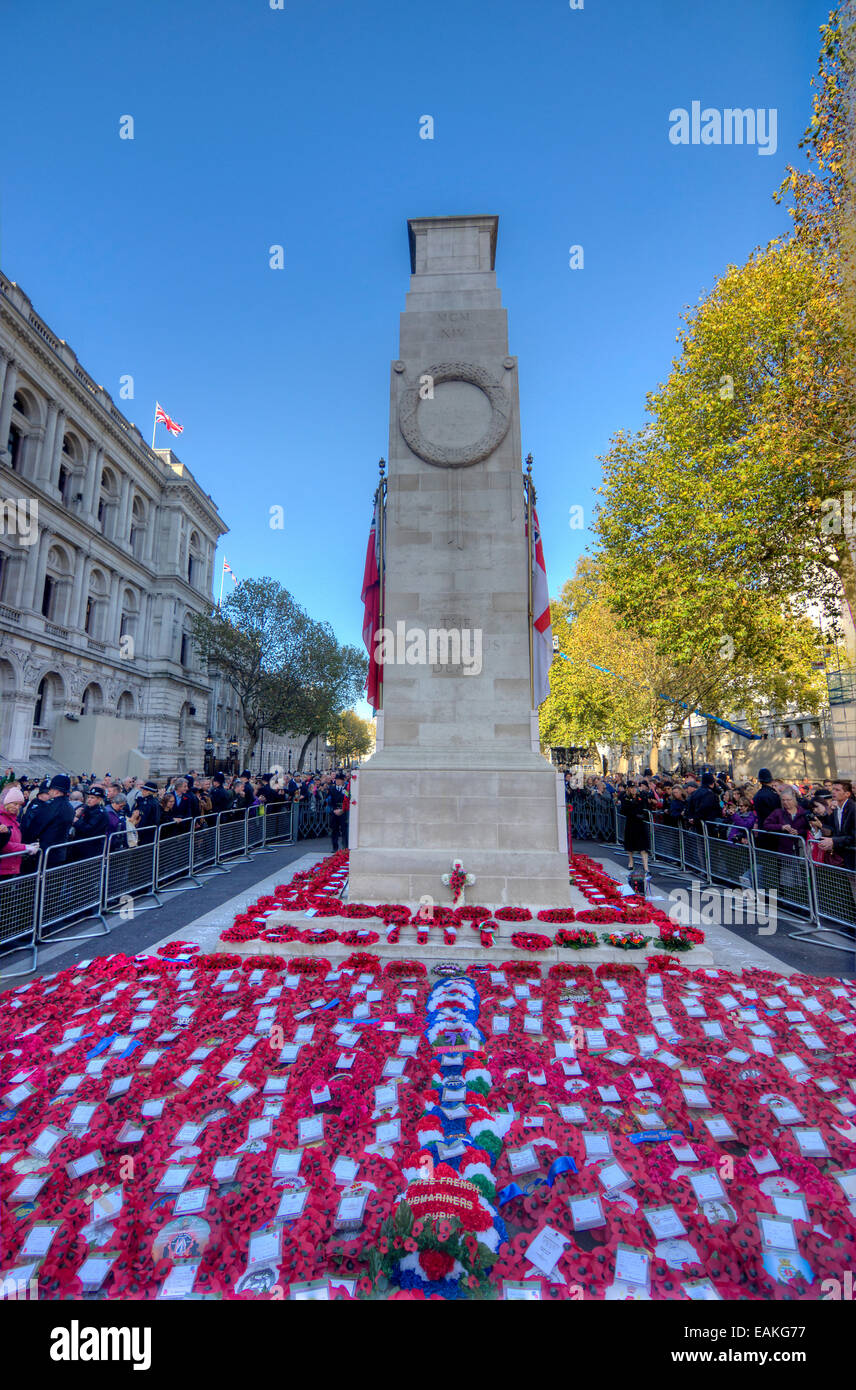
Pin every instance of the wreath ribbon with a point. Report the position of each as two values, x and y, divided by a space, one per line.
655 1136
561 1165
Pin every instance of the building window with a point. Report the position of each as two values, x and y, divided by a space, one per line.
47 597
90 616
16 441
185 649
40 703
63 482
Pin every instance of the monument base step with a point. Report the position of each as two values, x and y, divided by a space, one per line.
466 949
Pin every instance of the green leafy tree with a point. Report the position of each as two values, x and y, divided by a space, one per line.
350 736
286 669
645 687
714 513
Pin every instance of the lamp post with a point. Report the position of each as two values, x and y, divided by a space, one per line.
209 750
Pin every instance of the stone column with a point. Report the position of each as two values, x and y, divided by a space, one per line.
120 534
72 617
151 530
83 594
90 486
44 469
33 443
36 574
33 568
59 433
4 364
110 634
9 385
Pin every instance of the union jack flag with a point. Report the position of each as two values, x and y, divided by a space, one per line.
161 418
542 649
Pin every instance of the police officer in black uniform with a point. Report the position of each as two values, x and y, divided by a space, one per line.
91 826
146 815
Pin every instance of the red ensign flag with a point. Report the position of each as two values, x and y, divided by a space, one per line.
371 608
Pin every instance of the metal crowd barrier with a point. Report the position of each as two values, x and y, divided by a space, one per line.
314 819
129 872
589 818
825 894
81 880
19 911
72 887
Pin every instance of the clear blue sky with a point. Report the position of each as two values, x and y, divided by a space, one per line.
301 127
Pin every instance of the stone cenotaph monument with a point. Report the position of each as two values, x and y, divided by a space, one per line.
457 774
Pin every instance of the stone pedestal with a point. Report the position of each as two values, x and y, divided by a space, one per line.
457 773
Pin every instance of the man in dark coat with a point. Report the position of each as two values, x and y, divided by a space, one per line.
338 806
221 800
51 821
766 799
704 804
842 824
186 802
91 826
248 793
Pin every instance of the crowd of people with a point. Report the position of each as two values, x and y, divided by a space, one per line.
73 816
781 815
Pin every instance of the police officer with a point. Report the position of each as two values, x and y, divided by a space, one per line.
52 819
146 815
91 825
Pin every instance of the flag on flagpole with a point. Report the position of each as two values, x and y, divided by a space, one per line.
542 636
227 569
371 607
161 418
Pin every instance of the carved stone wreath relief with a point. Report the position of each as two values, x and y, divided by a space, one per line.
444 456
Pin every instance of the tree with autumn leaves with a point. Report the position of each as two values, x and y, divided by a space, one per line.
720 531
610 683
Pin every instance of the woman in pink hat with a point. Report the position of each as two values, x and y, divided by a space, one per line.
10 833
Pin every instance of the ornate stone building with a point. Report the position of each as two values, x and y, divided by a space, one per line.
106 549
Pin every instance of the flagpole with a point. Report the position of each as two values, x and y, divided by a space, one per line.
222 577
155 425
529 488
